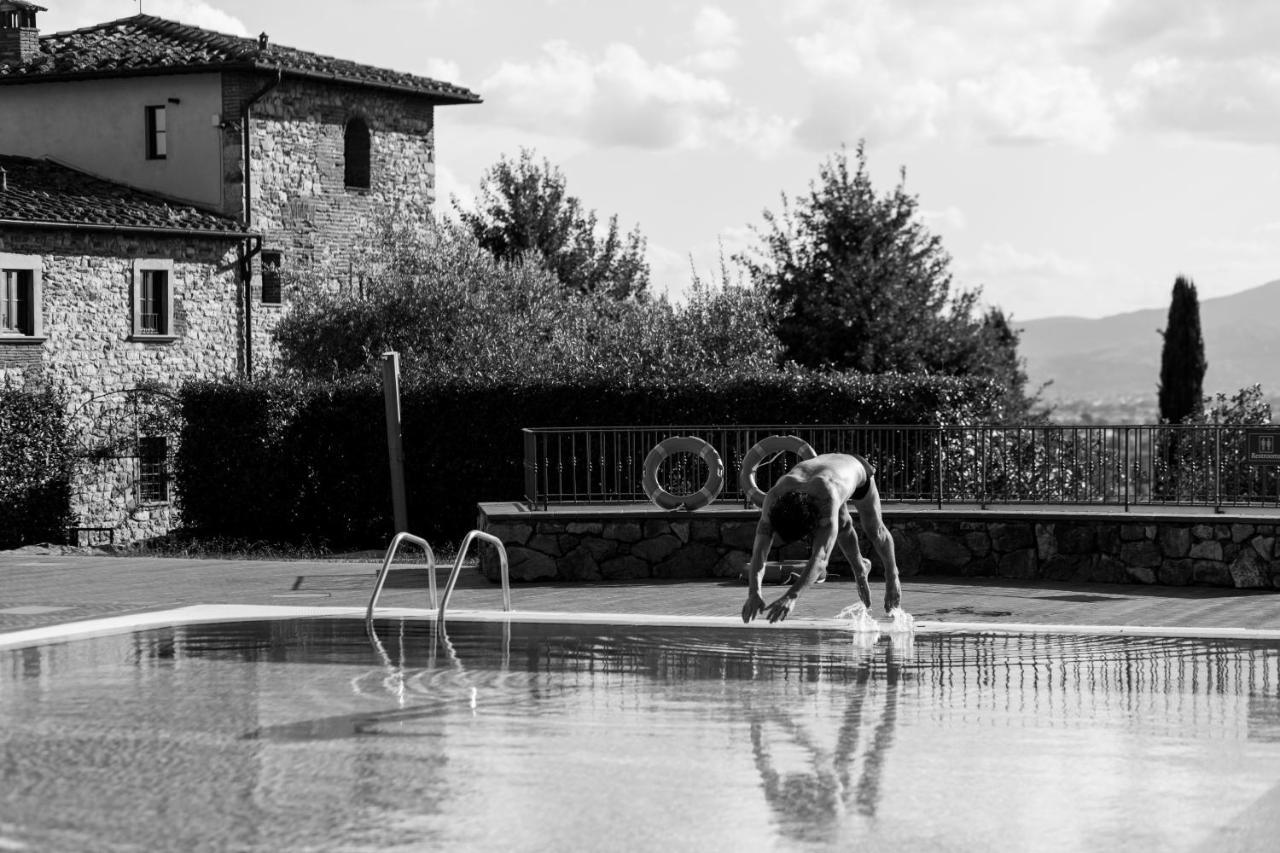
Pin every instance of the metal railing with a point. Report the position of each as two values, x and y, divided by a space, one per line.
402 537
457 567
1111 465
396 541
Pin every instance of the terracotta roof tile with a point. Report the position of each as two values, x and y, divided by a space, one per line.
44 192
145 44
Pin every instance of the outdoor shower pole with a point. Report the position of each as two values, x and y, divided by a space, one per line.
395 445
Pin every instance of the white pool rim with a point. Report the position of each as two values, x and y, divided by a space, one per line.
215 613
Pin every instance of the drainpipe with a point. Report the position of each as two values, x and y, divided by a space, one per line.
253 245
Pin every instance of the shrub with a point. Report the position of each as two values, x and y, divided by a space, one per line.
455 313
306 462
230 470
35 467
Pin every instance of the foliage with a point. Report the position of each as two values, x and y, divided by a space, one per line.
1246 407
1204 464
523 207
290 461
454 312
36 457
1182 361
863 286
231 470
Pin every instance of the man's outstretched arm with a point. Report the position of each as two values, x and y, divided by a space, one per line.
755 571
824 542
759 554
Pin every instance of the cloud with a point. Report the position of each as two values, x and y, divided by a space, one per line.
449 188
671 273
1027 283
715 34
952 218
72 14
619 98
1022 105
1232 99
197 14
445 70
920 71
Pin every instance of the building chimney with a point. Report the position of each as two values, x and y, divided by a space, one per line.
19 37
262 41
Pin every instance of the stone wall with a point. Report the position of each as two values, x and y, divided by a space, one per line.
87 312
301 203
88 352
1110 548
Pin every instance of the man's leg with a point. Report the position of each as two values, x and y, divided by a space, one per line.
872 520
848 542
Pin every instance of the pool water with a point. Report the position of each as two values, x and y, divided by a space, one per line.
305 735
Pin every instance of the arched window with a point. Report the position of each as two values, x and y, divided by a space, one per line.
355 152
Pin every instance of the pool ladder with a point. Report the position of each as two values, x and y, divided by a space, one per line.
431 570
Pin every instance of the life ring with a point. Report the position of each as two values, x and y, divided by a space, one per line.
773 444
683 444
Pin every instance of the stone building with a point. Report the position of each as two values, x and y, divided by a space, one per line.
157 180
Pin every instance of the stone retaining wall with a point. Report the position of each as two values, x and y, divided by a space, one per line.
1111 548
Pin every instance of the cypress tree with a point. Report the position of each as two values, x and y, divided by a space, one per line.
1182 362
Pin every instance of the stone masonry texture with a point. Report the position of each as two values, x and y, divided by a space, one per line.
682 545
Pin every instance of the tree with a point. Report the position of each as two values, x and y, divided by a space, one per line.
1182 362
453 310
523 206
862 285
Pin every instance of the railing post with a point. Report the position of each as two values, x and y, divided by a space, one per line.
1217 465
940 471
395 446
530 468
1126 468
982 449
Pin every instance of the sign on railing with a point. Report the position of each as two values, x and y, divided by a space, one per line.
1262 446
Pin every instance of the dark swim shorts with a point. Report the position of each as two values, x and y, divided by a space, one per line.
861 492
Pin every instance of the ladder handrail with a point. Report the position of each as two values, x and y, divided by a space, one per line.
457 567
386 564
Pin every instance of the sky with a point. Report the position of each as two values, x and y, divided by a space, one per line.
1074 156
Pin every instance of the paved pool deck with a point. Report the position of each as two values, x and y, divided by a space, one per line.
44 588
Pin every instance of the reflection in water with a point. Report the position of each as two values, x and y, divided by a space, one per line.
811 801
315 733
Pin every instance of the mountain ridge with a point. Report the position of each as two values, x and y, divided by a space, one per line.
1117 357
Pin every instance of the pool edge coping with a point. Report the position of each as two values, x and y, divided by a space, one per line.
195 614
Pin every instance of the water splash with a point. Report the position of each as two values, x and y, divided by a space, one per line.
901 622
860 617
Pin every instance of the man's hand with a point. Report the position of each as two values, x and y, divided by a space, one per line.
781 609
752 608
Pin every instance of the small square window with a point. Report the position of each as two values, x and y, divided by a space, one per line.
157 134
153 468
20 308
153 300
271 277
16 303
154 295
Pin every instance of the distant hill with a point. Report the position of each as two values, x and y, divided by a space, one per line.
1110 359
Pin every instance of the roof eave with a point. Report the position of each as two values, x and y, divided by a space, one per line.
437 96
127 229
69 76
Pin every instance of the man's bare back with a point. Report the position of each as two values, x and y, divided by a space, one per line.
828 482
834 476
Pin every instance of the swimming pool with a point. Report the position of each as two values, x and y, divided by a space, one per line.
304 735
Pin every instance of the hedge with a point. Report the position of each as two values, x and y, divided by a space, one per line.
290 462
35 468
